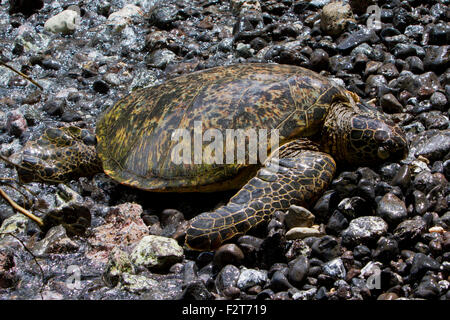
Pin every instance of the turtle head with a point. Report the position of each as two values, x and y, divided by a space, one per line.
59 155
359 134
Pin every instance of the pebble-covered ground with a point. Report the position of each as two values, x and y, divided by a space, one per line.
377 233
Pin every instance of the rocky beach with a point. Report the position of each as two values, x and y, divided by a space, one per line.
378 232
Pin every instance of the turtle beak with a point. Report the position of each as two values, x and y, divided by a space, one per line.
396 148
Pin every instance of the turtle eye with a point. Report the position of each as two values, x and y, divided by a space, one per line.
382 153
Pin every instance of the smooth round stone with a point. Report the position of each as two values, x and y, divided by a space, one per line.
279 282
228 254
298 217
298 270
302 232
403 177
391 208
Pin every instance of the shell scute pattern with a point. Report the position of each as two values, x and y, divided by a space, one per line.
135 135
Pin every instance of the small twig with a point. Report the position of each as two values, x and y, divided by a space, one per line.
22 75
34 258
22 210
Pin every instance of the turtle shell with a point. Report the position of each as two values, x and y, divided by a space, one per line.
135 136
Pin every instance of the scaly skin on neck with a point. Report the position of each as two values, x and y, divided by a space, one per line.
336 129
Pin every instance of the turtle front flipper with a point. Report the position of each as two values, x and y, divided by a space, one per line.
59 155
296 180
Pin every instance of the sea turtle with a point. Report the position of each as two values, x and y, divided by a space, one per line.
317 121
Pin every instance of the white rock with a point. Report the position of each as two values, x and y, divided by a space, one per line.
64 22
304 232
120 19
251 277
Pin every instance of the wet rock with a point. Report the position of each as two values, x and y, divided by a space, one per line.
439 34
428 288
319 60
118 264
410 229
227 277
340 63
390 104
415 65
195 290
404 50
171 222
120 19
137 283
386 250
326 248
361 6
303 232
16 124
298 217
304 294
27 7
244 50
160 58
298 270
391 209
322 208
437 58
55 107
354 39
373 83
156 253
123 227
279 282
251 277
438 100
422 263
65 22
361 252
228 254
334 269
354 206
402 18
55 241
15 224
334 18
364 229
163 16
298 247
8 272
432 144
415 32
421 203
434 120
100 86
336 223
